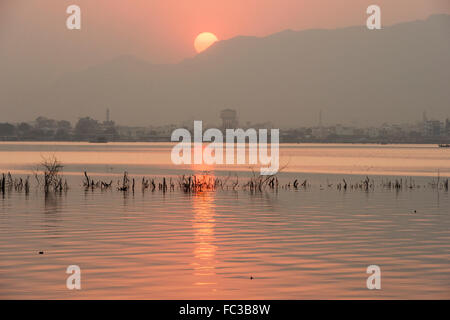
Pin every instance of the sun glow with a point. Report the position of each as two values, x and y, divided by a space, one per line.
204 41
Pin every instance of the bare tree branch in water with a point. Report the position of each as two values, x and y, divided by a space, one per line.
50 167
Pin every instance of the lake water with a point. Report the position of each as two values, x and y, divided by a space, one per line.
306 243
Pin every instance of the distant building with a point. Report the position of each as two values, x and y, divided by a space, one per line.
131 133
341 130
229 119
432 128
373 132
319 132
108 123
424 117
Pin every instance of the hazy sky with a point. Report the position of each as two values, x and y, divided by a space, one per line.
163 31
37 51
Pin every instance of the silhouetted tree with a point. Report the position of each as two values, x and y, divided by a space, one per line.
7 129
24 128
62 134
86 127
43 122
64 124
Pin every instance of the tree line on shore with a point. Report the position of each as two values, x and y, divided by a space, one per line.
45 129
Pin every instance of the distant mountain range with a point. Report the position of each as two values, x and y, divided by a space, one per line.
351 74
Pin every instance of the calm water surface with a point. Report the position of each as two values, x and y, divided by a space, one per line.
309 243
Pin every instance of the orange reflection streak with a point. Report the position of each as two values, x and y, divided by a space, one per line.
204 224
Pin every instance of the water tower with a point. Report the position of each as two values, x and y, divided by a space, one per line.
229 119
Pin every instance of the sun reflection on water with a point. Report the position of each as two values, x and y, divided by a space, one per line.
204 235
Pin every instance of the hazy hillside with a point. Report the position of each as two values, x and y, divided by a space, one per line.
352 74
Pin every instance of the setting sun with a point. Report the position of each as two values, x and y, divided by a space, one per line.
204 41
